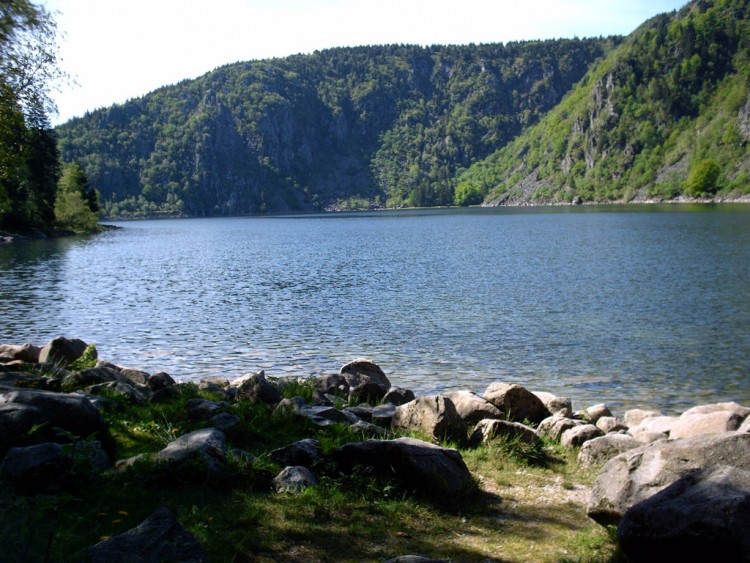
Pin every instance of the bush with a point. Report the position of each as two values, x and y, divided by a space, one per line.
703 178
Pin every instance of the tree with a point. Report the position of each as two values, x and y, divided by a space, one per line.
76 204
702 178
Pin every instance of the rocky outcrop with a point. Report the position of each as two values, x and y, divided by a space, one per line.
516 402
360 372
62 351
433 415
255 388
600 450
638 474
702 516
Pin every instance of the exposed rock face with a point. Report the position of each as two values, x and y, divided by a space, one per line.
489 429
638 474
256 388
208 445
516 402
472 408
703 516
705 423
294 479
434 415
62 351
416 465
160 537
362 371
602 449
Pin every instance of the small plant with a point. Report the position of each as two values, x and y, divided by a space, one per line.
87 359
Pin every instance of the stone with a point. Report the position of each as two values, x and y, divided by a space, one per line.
328 413
364 412
88 377
24 353
34 469
553 427
434 416
305 452
62 351
203 409
398 396
414 464
561 406
123 389
705 423
745 426
159 381
369 430
595 412
160 537
609 424
294 480
655 424
361 371
472 408
225 422
256 388
634 417
243 457
516 402
600 450
367 392
578 435
732 407
382 415
208 445
648 437
289 406
489 429
638 474
332 384
703 516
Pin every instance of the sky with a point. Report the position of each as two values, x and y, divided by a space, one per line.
116 50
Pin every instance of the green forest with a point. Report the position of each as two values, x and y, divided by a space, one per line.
661 114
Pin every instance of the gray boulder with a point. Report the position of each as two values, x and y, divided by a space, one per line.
516 402
289 406
561 406
602 449
332 384
159 381
203 409
160 537
703 516
609 424
705 423
634 417
367 392
330 414
62 351
382 415
553 427
369 430
255 388
595 412
225 422
638 474
578 435
294 480
472 408
489 429
362 371
732 407
208 445
305 452
23 353
655 424
34 469
398 396
414 464
434 416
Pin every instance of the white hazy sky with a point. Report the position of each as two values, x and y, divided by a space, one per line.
122 49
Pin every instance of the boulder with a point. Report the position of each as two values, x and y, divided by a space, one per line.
578 435
362 371
705 423
382 415
332 384
367 392
472 408
125 389
634 417
561 406
160 381
23 353
600 450
553 427
638 474
160 537
416 465
434 416
732 407
225 422
655 424
304 452
135 376
62 351
703 516
364 412
516 402
595 412
745 426
88 377
208 445
255 388
648 437
609 424
489 429
294 480
398 396
327 413
369 430
287 406
34 469
203 409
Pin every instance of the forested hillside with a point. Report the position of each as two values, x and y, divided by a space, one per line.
341 127
666 114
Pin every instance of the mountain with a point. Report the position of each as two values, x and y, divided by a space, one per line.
341 127
666 114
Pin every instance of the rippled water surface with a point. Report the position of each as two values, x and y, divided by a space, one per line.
628 305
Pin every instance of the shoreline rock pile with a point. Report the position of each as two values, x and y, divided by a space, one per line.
668 482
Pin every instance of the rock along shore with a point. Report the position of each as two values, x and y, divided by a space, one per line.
667 482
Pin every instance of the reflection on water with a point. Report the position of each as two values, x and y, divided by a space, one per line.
634 306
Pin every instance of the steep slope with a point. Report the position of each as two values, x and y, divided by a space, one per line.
664 115
370 124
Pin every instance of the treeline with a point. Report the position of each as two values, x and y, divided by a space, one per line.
665 115
389 125
37 193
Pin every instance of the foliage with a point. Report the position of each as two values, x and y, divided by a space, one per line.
676 91
702 178
87 360
347 128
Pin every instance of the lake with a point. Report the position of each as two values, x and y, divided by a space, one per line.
634 306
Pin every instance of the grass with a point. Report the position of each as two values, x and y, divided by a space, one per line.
527 505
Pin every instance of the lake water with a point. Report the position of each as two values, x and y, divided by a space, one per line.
635 306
